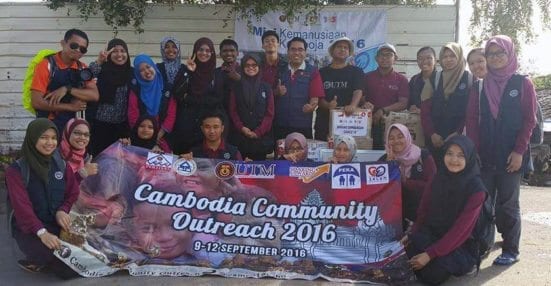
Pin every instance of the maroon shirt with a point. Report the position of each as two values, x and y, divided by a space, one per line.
269 73
461 229
384 90
27 221
206 152
528 109
419 185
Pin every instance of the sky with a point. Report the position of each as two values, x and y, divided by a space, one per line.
533 60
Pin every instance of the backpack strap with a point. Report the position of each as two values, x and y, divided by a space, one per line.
52 67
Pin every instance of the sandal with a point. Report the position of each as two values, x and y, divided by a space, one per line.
29 266
506 259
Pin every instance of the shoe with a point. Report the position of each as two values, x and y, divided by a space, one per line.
506 259
29 266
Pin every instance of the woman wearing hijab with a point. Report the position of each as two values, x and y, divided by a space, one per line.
109 117
296 148
417 168
345 149
74 140
174 73
199 98
500 121
148 97
439 244
252 112
145 132
39 217
443 103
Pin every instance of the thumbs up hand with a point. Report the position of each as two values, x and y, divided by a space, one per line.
281 89
333 103
89 169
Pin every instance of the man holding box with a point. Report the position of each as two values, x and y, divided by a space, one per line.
342 84
385 90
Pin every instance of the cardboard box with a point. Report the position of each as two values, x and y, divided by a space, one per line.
412 121
361 155
314 147
357 125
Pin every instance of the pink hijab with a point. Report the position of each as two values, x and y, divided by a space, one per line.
295 136
496 80
73 157
410 155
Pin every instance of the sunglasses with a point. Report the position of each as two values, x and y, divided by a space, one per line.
74 46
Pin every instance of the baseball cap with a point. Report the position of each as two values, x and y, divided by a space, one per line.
388 47
343 39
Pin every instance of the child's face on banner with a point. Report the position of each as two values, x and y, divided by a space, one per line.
155 234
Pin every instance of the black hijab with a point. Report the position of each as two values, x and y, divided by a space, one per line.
450 191
38 162
112 75
145 143
249 85
204 72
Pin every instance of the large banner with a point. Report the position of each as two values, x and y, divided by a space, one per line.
367 29
155 214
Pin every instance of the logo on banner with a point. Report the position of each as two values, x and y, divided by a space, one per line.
376 174
308 174
224 170
255 171
345 176
185 167
158 161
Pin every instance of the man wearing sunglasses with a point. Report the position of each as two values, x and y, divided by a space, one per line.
60 85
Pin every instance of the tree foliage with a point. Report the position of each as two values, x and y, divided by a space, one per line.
118 13
507 17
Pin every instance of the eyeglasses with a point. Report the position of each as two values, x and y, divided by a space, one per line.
250 66
75 46
81 134
297 50
500 54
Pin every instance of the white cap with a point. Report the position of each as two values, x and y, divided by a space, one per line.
343 39
388 47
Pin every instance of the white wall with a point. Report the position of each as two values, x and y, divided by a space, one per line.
28 28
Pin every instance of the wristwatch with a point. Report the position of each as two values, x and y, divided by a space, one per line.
40 232
69 87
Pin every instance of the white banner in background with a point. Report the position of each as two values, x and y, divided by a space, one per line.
366 29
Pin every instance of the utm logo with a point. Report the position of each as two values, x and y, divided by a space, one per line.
224 170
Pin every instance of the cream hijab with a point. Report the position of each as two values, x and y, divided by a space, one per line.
450 77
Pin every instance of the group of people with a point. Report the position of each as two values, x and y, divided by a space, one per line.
237 111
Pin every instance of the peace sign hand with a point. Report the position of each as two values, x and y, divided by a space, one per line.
190 63
104 55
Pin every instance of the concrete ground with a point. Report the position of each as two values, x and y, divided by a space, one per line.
533 269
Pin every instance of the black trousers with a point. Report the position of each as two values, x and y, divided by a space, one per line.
504 189
438 270
37 253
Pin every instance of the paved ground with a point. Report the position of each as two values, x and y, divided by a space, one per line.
533 269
